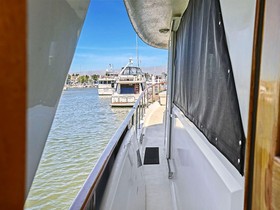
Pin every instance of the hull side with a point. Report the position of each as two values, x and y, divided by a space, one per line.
105 91
53 31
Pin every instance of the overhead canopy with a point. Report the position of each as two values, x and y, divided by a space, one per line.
152 19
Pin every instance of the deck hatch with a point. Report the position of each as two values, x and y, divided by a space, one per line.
151 156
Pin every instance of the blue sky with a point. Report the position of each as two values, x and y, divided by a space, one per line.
108 37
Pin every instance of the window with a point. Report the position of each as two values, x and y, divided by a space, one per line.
127 89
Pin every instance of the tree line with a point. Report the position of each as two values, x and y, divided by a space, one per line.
81 78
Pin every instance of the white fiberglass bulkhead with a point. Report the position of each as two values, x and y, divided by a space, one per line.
53 31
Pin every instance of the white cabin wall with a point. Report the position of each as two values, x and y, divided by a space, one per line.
239 17
53 31
203 179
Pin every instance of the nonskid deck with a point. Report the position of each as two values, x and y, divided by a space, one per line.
141 184
158 194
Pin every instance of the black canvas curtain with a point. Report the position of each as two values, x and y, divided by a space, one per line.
204 83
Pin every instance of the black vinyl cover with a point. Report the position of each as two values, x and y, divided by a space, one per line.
204 83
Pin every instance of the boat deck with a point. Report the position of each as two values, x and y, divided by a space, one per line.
158 194
144 185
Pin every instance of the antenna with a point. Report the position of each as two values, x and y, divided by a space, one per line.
137 55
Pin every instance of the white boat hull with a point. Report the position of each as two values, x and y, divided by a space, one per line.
53 31
105 91
124 100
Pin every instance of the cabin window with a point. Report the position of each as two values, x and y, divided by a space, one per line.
126 72
129 89
133 71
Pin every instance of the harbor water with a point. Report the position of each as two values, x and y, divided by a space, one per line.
83 125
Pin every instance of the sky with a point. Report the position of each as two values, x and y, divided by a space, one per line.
108 37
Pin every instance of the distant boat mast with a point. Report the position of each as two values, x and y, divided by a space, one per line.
137 55
111 66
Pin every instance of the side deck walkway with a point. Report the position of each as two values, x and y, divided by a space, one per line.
158 194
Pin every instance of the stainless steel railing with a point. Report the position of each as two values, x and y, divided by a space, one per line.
90 195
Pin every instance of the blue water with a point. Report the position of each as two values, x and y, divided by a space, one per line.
83 125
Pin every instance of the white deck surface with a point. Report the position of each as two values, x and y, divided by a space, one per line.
158 194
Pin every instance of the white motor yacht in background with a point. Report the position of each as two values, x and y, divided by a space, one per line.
130 83
107 83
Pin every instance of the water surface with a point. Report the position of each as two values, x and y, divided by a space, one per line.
83 125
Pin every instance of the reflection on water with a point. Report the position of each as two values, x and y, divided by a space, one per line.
83 125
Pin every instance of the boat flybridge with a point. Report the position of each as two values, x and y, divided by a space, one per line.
215 146
107 83
130 83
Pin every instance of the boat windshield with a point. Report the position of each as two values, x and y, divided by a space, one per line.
132 71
